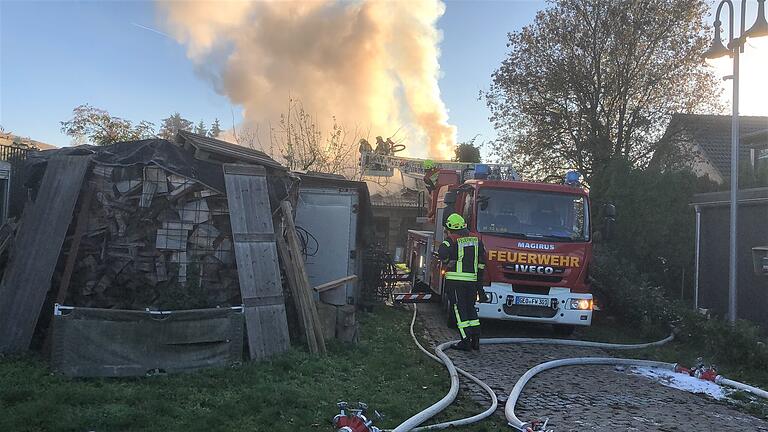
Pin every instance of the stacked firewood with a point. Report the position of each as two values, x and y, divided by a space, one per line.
152 239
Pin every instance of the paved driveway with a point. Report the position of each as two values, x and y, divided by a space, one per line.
584 398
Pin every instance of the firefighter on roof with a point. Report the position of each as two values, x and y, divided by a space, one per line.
463 257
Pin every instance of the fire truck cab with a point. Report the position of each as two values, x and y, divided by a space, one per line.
538 244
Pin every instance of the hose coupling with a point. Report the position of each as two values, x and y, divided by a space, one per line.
538 425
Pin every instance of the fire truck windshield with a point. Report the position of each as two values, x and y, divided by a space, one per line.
532 214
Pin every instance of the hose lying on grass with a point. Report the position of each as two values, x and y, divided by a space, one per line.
423 416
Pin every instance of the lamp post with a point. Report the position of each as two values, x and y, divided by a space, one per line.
732 49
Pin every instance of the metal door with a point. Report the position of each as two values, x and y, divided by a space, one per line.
329 215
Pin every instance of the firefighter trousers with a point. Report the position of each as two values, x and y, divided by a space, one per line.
464 294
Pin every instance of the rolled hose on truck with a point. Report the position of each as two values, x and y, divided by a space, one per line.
412 424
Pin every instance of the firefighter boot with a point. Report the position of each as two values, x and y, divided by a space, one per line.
475 342
464 344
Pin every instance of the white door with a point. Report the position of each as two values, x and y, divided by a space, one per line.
327 214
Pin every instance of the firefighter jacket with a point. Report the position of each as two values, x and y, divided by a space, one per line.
465 256
431 177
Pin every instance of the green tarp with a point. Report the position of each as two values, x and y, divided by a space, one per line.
113 343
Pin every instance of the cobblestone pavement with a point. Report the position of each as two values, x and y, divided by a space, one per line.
583 398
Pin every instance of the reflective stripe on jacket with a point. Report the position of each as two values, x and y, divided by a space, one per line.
465 251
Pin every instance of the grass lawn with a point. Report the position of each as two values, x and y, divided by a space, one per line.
293 392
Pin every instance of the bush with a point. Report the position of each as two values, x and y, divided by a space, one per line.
624 292
742 345
655 225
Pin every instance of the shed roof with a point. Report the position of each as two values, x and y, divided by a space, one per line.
224 151
745 196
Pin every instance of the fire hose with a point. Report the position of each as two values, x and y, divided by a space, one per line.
409 424
413 422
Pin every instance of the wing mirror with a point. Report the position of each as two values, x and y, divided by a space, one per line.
609 212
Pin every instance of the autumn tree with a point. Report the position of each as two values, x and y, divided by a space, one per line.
99 127
593 81
170 126
303 144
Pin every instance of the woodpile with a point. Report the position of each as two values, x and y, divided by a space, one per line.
147 238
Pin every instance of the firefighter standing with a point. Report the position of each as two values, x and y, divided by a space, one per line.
464 257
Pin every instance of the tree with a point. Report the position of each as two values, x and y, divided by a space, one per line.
215 130
655 224
172 125
200 129
98 126
467 152
591 81
303 145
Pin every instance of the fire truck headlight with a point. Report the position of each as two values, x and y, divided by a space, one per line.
580 304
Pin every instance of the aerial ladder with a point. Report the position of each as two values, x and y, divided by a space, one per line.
382 165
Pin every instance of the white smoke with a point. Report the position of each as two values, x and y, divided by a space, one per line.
371 64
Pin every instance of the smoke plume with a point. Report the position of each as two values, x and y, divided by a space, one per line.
371 64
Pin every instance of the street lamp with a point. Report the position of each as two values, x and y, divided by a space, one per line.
732 49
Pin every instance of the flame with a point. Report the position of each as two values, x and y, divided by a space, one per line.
372 64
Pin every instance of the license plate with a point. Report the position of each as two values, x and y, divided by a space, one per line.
532 301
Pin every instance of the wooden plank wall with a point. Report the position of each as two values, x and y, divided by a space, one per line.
36 250
257 266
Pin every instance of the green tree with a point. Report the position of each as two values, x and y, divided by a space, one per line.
170 126
99 127
200 129
655 223
591 81
467 152
215 130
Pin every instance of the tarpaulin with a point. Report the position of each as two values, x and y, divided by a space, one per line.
89 342
160 152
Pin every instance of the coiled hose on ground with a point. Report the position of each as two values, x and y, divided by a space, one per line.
509 410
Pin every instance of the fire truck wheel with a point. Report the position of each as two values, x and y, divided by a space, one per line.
563 329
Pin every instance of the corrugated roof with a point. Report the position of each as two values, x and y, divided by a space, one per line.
226 149
712 133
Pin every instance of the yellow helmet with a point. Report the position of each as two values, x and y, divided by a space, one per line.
428 164
455 222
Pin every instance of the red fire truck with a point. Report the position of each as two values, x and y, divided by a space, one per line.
537 237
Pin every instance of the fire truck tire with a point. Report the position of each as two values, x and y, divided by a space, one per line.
563 329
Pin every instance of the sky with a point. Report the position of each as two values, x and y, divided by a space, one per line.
55 55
